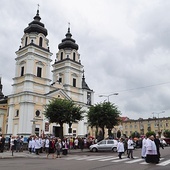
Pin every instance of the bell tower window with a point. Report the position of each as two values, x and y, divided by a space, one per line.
74 56
40 42
22 71
61 55
60 80
26 41
74 82
39 71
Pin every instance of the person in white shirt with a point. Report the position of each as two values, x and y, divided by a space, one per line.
143 153
130 146
120 148
47 144
33 145
30 145
37 145
151 151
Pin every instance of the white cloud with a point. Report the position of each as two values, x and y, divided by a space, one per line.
123 45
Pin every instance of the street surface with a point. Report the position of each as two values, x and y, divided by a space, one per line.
86 161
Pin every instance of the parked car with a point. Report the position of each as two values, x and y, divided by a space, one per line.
104 145
167 140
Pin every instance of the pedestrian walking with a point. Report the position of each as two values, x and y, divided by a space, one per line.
47 143
130 144
51 147
120 148
158 145
143 151
37 145
58 147
151 151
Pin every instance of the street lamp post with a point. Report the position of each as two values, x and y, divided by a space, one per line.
159 122
108 95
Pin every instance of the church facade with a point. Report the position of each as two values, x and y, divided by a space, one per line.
33 88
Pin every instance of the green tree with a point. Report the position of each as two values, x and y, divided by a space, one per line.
166 133
63 111
150 133
103 115
135 134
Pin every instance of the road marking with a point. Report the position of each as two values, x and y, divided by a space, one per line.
108 159
72 157
164 163
133 161
120 160
85 157
98 158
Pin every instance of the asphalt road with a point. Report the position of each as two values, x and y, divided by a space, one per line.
86 161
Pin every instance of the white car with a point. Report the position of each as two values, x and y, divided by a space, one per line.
104 145
163 142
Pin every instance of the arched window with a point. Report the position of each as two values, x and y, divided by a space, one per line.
61 55
40 41
17 113
26 40
74 56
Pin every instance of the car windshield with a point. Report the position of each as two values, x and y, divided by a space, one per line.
102 142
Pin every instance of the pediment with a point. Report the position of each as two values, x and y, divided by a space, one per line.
58 93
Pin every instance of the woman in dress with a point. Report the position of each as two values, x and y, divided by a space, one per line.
51 147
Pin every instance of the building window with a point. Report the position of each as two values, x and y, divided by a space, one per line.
88 98
74 133
61 55
60 80
74 82
37 131
40 41
39 71
37 113
26 40
22 71
74 56
17 113
167 125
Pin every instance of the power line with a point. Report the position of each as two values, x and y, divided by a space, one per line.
138 88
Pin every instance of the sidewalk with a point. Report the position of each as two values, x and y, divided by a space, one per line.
26 154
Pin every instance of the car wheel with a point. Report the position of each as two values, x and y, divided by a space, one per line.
114 149
94 150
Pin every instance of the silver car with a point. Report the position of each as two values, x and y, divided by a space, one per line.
104 145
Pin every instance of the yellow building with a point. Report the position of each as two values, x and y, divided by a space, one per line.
142 126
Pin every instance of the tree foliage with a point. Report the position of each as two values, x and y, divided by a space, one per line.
135 135
150 133
103 115
166 133
63 111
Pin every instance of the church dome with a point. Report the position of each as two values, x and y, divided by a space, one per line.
36 26
68 42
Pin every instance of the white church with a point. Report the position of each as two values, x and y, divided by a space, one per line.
33 88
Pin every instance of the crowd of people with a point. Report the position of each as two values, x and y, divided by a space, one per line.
49 144
150 148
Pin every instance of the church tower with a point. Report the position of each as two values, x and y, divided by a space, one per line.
68 74
31 81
